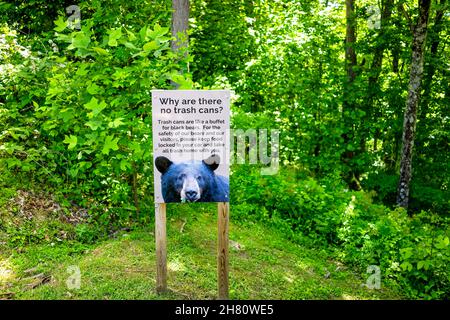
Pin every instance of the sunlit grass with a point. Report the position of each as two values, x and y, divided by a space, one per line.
6 272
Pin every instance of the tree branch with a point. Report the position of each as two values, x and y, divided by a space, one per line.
407 16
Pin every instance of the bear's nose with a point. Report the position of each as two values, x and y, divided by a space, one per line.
191 195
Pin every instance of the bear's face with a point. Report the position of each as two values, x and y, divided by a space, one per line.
186 181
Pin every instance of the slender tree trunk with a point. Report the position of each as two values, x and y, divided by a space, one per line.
375 69
430 68
377 63
410 117
350 39
180 23
135 189
350 176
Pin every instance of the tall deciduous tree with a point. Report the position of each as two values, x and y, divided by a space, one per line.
349 104
377 63
419 31
430 68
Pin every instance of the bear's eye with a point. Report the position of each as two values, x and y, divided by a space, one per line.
182 176
199 177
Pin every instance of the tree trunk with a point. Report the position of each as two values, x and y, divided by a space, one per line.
180 23
348 106
373 113
410 117
377 63
350 39
430 68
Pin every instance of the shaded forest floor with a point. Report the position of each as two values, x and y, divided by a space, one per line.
263 265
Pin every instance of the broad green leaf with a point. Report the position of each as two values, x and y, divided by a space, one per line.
420 265
149 46
130 46
94 125
110 144
93 89
406 266
100 51
131 36
442 242
71 141
81 40
124 165
157 31
95 107
184 83
114 35
116 123
61 24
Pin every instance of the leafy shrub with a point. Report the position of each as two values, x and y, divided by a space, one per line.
81 119
423 196
412 252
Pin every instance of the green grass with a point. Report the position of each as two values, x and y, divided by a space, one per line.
267 265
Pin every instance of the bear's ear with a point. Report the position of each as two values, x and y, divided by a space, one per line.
212 162
162 164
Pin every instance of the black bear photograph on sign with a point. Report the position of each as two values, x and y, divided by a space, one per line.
192 181
191 145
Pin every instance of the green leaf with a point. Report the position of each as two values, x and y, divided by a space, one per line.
93 89
157 31
114 35
184 83
72 141
406 266
95 107
124 165
94 125
61 24
116 123
149 46
110 144
442 242
81 40
100 51
131 36
420 265
129 45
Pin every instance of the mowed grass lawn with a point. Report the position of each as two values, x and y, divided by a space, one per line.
263 265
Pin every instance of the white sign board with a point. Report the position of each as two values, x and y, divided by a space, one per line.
191 145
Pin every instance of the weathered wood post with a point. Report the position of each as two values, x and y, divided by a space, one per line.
161 247
223 210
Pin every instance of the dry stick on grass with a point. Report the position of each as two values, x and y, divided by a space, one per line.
182 226
40 280
6 295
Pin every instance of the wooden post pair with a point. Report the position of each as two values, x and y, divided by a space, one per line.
223 210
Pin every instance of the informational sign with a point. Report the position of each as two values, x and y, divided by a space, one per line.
191 145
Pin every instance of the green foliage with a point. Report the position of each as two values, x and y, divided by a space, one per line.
81 120
412 252
75 116
87 233
423 196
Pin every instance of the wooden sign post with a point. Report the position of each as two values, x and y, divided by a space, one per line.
191 153
223 216
161 247
223 211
